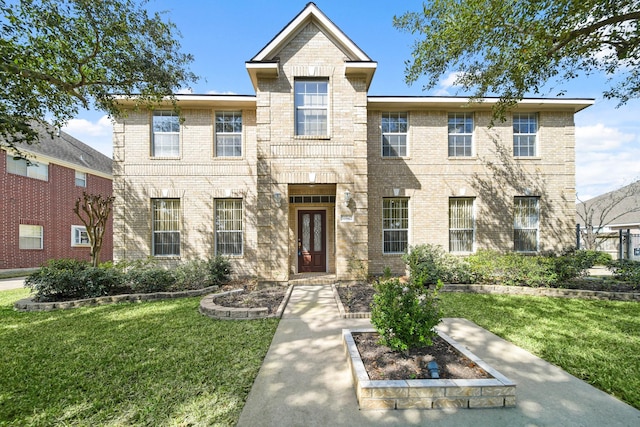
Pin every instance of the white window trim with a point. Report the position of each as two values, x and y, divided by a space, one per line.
216 134
473 224
536 147
152 150
297 135
20 235
75 233
472 134
215 225
31 170
406 136
154 232
83 179
408 229
536 228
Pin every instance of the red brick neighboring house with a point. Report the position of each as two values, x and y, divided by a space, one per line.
37 222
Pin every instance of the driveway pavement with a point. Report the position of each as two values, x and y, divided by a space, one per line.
14 283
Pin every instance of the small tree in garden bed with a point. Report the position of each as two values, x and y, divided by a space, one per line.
93 210
405 314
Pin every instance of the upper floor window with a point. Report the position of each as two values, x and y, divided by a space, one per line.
166 134
81 179
394 134
460 134
229 134
395 225
31 236
526 224
312 107
166 227
229 235
525 128
461 224
31 168
79 236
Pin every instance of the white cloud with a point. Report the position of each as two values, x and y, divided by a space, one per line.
447 83
606 159
95 134
216 92
184 91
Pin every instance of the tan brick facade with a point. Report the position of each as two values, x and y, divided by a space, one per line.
348 158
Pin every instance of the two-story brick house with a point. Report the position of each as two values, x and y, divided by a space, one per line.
37 222
311 173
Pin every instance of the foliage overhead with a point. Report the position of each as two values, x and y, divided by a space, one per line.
57 56
512 48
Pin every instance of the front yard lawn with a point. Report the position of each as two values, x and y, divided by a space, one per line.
595 340
157 363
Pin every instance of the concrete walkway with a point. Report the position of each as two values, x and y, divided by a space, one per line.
305 381
14 283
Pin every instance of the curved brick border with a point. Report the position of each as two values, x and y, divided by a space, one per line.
511 290
28 304
208 307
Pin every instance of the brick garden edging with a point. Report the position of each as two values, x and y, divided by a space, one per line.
208 307
495 392
28 304
510 290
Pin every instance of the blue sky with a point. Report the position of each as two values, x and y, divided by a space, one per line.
222 35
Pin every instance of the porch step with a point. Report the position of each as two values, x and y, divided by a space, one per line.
312 279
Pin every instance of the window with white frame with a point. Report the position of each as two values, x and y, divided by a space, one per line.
31 236
525 129
79 236
394 134
81 179
312 107
228 223
460 127
228 133
166 227
526 224
166 134
395 225
32 169
461 224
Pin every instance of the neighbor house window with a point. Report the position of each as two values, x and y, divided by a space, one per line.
229 134
228 223
525 129
312 107
81 179
395 225
526 224
32 169
460 134
166 227
461 224
79 236
166 134
394 134
31 236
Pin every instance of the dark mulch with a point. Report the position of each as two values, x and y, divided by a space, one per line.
356 298
253 296
381 363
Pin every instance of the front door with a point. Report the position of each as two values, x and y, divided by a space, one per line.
312 253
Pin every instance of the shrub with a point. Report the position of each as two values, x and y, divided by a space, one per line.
149 279
193 274
219 270
430 263
405 315
626 270
72 279
513 269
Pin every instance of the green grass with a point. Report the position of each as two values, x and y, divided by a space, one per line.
597 341
158 364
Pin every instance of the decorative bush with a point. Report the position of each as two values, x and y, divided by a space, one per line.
64 279
430 263
219 270
626 270
150 279
405 315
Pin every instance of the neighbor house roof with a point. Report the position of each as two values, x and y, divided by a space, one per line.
61 148
623 205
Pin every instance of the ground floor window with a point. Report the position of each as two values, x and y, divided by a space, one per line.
31 236
395 225
526 224
461 224
166 227
79 236
228 225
